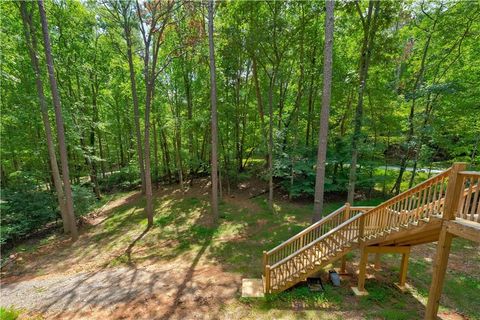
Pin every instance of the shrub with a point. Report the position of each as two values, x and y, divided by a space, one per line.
24 212
128 178
83 200
26 207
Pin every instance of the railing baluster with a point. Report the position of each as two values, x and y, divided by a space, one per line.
476 202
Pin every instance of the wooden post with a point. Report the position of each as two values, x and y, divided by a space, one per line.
454 191
265 260
452 198
439 269
343 268
267 279
360 289
361 229
403 270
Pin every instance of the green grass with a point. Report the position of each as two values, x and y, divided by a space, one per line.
9 313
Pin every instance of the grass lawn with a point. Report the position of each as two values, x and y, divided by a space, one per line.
183 230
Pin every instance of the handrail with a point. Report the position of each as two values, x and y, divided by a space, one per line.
314 231
311 244
414 189
470 173
307 229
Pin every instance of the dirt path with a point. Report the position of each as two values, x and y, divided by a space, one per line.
174 290
64 281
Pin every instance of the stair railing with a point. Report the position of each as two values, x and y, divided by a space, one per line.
469 206
311 233
421 202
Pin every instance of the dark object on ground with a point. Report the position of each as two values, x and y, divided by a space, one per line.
314 284
334 277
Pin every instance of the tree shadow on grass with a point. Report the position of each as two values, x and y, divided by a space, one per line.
188 278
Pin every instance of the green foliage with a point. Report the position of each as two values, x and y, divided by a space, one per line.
27 208
24 212
83 200
9 313
126 179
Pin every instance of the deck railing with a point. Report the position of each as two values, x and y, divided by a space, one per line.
469 206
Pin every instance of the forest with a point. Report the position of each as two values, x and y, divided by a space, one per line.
306 102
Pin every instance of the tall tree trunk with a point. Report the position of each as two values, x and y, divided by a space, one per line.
270 142
148 177
213 99
369 29
189 96
59 123
33 51
411 116
323 132
136 108
93 162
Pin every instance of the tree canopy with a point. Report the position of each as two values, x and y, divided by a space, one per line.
134 83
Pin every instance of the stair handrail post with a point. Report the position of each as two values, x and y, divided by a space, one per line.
454 191
361 228
267 279
346 216
347 212
265 261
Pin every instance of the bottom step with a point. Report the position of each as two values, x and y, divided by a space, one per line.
252 288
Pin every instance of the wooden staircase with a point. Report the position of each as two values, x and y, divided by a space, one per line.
413 217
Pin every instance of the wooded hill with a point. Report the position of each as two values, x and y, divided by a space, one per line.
135 95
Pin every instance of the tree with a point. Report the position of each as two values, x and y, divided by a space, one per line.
59 123
369 25
123 13
31 41
323 132
153 22
214 121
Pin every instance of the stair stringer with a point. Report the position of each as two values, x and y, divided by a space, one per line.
412 235
314 270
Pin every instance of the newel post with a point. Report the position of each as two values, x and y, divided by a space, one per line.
346 216
361 228
267 279
265 261
454 191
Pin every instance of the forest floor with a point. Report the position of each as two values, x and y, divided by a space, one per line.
185 268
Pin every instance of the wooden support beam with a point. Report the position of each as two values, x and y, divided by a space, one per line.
465 229
360 289
387 249
403 269
439 269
